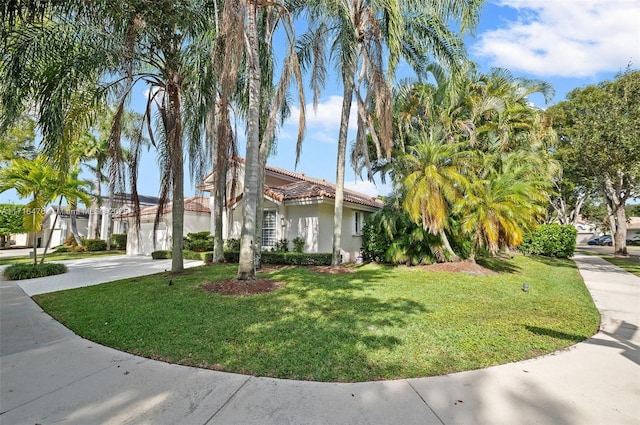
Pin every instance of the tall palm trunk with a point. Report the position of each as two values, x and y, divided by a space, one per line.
95 207
246 268
447 246
336 257
174 132
53 227
217 162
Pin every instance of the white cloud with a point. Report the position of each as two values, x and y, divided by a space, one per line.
568 38
368 188
323 124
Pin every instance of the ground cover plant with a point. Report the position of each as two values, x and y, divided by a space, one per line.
57 256
30 271
376 322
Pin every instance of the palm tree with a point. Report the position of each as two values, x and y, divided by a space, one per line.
498 209
363 33
146 42
432 173
39 181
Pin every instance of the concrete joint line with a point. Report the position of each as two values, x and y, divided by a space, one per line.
58 389
228 400
425 402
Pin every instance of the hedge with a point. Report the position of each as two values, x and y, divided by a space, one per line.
95 245
207 257
119 240
29 271
551 240
286 258
161 255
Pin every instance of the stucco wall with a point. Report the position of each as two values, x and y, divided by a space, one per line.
143 245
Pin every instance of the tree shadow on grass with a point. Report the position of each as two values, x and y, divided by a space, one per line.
499 265
314 328
555 334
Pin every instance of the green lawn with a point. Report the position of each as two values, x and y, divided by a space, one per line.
52 256
378 323
631 264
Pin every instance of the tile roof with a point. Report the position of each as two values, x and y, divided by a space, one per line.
310 187
194 204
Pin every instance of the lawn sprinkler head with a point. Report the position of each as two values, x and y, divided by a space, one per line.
525 287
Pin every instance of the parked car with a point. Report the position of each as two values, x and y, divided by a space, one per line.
593 241
606 240
634 240
601 240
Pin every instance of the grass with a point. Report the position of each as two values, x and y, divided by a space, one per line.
53 256
377 323
630 264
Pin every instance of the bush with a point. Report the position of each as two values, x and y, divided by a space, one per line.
207 257
231 257
282 245
62 248
199 242
29 271
161 255
119 240
93 245
298 244
70 241
232 245
284 258
551 240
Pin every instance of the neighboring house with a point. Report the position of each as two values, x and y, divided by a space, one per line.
586 231
59 218
299 206
142 241
633 228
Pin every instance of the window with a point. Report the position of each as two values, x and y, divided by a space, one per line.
268 228
359 216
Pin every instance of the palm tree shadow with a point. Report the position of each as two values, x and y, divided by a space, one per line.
499 265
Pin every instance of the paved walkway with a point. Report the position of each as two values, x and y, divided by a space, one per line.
50 375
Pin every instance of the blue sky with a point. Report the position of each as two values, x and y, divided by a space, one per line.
567 43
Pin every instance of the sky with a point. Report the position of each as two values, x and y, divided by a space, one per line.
567 43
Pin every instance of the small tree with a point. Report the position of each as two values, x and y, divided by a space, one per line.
10 221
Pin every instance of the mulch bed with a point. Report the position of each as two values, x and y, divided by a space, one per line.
467 267
241 288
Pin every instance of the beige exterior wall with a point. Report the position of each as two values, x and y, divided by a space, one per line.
143 244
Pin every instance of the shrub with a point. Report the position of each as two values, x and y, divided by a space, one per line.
231 257
29 271
207 257
119 240
199 242
70 241
93 245
232 245
284 258
62 248
161 255
298 244
282 245
551 240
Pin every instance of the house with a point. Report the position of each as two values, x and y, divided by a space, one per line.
142 241
57 221
296 205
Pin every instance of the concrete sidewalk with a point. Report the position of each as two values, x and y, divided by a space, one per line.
50 375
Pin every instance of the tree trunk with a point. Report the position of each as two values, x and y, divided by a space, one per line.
174 133
95 207
218 162
246 268
53 226
336 257
617 214
35 248
447 246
